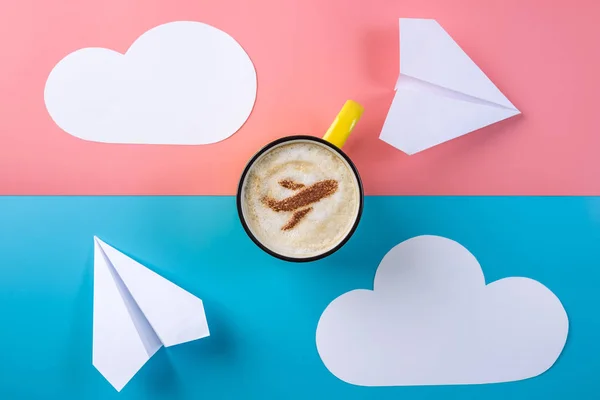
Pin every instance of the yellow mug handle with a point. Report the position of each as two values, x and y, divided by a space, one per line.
343 124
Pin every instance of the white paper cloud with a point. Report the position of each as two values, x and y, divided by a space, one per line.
179 83
431 320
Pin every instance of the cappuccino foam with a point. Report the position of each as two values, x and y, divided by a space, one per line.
300 199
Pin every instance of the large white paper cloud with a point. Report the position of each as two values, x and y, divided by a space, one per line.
179 83
431 320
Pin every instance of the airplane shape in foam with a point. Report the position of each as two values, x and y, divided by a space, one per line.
136 312
441 93
300 202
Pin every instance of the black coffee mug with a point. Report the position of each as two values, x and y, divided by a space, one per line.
333 140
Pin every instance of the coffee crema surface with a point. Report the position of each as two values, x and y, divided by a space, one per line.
300 199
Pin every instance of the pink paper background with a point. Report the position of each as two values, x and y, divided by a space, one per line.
310 56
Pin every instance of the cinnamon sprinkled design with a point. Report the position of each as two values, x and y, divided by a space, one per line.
290 184
296 217
303 198
308 195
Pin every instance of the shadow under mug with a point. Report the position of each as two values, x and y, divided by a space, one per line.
334 139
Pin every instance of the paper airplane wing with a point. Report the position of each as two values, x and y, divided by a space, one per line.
428 53
419 119
122 338
174 314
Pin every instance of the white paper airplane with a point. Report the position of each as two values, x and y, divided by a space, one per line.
441 93
136 312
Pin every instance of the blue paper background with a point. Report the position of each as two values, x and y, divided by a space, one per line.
263 312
